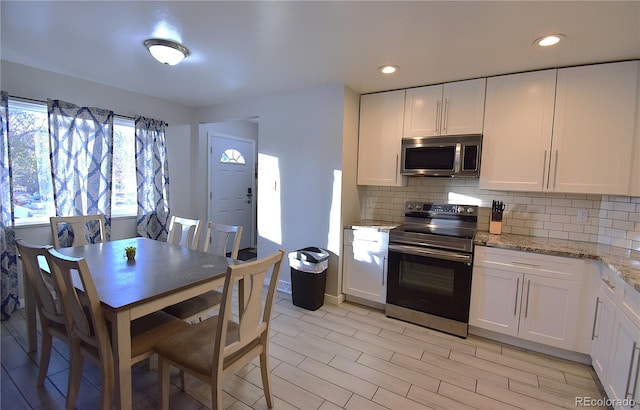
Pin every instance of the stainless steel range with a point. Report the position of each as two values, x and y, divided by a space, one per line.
430 264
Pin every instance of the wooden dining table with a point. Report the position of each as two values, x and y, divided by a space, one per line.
160 275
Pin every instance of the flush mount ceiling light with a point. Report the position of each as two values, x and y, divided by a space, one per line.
166 51
388 69
550 40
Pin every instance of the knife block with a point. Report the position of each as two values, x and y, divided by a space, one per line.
495 227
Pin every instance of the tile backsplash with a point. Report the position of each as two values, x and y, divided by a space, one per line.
603 219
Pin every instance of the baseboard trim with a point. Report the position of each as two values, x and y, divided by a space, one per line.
533 346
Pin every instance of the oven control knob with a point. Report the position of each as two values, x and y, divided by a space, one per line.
409 206
418 207
469 210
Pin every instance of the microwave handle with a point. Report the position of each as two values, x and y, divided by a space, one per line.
457 161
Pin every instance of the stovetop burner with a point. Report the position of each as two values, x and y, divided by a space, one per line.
444 226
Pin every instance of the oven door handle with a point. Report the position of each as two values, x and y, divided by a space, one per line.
432 253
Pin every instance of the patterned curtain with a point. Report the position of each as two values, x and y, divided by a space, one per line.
152 177
7 233
81 141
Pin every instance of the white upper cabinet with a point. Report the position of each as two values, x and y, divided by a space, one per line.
380 139
447 109
517 131
594 127
573 135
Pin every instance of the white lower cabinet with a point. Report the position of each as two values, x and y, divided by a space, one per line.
615 349
364 270
621 383
602 333
530 296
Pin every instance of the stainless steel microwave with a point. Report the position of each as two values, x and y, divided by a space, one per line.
451 156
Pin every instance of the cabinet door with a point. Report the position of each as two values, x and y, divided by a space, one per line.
601 336
463 107
549 311
380 139
365 264
423 111
518 124
594 127
622 373
495 300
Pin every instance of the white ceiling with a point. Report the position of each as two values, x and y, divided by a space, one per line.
247 49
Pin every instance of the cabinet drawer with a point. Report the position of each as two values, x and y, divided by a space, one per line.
608 283
628 300
370 237
529 263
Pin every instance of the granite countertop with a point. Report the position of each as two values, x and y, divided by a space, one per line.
623 261
383 226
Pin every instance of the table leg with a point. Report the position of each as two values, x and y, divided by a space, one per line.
30 307
122 357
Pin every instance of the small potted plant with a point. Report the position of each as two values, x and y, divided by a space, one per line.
130 251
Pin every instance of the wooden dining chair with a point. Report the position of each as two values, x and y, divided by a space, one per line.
47 300
77 230
216 240
184 232
218 346
88 331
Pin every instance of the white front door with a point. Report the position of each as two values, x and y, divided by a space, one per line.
231 184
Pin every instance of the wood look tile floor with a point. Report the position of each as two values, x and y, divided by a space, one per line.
346 356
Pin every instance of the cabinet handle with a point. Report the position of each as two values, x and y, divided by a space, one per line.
445 116
396 175
595 318
544 168
555 172
515 305
384 270
529 265
612 287
526 307
438 117
635 382
633 353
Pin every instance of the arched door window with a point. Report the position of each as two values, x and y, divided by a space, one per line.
232 156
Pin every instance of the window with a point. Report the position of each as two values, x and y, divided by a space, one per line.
124 187
31 169
232 156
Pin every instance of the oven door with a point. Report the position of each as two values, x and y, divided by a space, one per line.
429 280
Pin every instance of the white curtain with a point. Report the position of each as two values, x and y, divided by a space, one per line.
9 279
152 177
81 141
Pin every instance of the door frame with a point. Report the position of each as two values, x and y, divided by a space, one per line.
254 203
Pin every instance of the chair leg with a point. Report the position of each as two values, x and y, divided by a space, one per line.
216 394
45 356
184 380
266 381
163 380
108 384
75 376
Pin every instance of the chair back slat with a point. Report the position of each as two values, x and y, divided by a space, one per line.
219 236
184 232
253 321
77 230
82 306
45 289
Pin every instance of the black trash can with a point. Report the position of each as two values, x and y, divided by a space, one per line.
308 276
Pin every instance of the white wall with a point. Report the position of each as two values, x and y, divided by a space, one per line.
301 131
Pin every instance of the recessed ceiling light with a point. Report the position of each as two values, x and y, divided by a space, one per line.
550 40
388 69
166 51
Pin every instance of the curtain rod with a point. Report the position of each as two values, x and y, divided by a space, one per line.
45 102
